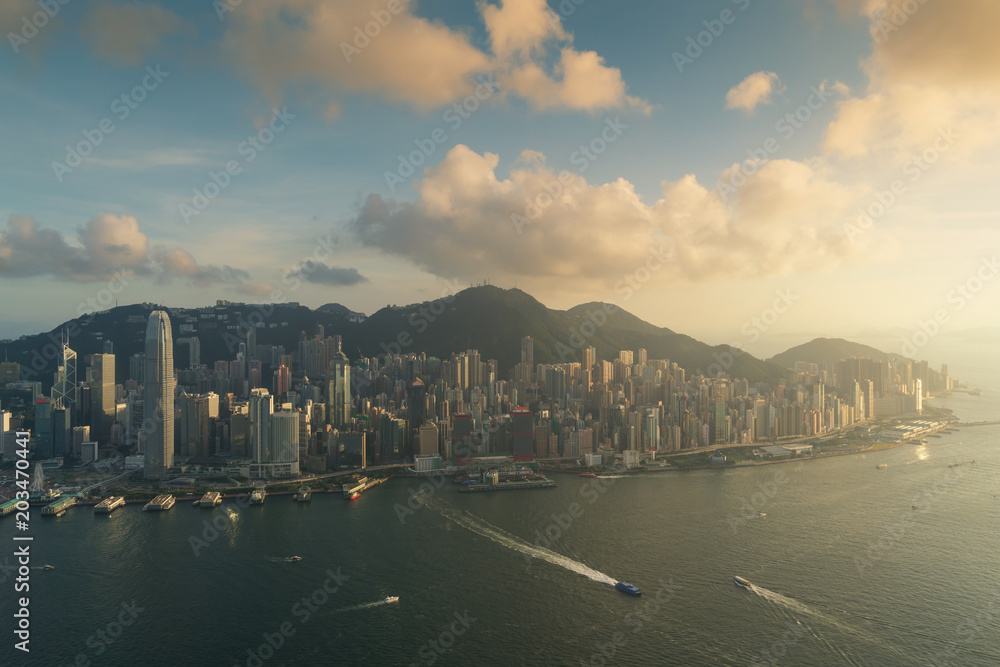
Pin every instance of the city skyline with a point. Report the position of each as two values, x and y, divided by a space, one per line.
833 115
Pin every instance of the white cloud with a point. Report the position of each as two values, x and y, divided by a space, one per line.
570 232
753 91
323 49
108 244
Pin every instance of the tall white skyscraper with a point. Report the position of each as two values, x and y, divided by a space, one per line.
339 394
158 397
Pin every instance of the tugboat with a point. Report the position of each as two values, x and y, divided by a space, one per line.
626 587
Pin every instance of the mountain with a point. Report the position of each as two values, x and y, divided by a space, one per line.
828 350
489 319
338 309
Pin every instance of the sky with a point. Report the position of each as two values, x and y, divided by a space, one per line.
746 172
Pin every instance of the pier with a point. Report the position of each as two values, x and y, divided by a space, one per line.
59 507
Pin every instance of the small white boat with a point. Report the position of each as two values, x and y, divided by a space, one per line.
390 599
294 559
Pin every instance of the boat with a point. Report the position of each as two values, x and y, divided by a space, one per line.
49 567
353 490
257 496
210 500
109 504
626 587
303 495
761 515
294 559
390 599
974 461
882 466
160 503
914 507
587 474
743 583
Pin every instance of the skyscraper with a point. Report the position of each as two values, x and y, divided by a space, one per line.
102 396
339 394
158 397
528 356
259 412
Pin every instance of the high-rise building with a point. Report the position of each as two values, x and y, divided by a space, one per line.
102 396
158 397
64 390
523 431
415 416
259 413
282 380
428 440
528 356
339 395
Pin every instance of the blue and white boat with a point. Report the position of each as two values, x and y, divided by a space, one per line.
626 587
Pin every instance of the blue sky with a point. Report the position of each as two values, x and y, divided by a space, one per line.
562 78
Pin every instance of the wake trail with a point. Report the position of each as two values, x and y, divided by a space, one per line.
802 608
367 605
503 538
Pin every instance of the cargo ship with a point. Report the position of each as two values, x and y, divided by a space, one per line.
160 503
303 495
109 505
210 500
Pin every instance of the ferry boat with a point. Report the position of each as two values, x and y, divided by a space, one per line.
303 495
587 474
160 503
626 587
743 583
353 490
257 496
390 599
109 505
210 500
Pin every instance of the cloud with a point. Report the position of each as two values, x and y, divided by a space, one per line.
124 34
555 229
325 49
934 66
107 245
322 274
754 90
